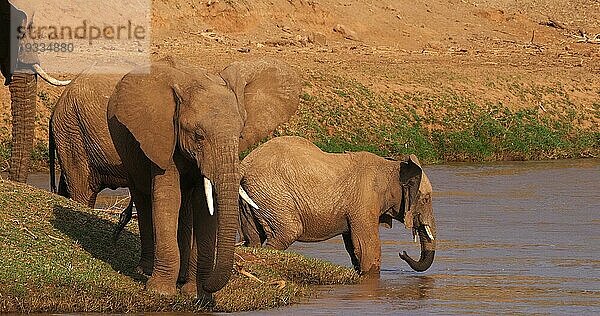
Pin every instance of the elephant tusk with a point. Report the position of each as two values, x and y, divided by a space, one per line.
428 231
244 195
208 191
51 80
415 236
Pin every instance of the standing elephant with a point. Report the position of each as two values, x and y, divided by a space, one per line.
87 156
79 133
179 131
20 69
304 194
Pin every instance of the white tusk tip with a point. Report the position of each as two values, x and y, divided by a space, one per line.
244 195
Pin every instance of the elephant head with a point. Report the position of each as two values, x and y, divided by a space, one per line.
208 119
415 211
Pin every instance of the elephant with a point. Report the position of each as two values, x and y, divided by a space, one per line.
88 160
179 131
302 193
79 134
20 70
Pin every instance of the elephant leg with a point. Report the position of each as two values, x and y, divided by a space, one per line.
76 177
184 236
166 202
284 230
144 217
350 249
203 247
367 246
252 232
279 243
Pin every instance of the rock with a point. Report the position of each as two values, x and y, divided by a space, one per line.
317 38
244 49
346 32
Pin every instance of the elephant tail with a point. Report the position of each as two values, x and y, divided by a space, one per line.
52 158
124 219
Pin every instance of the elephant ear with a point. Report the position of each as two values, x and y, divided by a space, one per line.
267 92
410 180
146 103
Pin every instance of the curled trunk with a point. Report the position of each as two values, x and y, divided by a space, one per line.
427 252
23 91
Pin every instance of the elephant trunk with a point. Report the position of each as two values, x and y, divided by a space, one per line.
23 91
427 250
226 183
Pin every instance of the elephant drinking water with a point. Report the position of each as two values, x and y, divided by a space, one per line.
308 195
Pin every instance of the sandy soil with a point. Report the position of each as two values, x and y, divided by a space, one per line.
521 53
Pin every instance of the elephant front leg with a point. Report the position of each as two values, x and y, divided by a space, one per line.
166 201
201 259
367 246
350 249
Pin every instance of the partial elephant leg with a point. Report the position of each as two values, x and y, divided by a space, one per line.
184 236
350 249
203 245
77 176
367 246
284 230
144 214
166 202
252 233
63 190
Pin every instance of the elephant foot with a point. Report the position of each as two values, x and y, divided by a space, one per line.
161 287
189 289
372 273
205 301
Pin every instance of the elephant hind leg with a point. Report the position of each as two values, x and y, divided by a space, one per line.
144 212
63 190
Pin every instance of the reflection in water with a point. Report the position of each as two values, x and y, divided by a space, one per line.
518 237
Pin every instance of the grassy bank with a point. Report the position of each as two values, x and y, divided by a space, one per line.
442 126
437 123
58 256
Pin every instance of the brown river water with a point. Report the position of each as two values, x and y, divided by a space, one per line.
517 237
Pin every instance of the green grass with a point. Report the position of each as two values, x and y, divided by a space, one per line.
57 256
442 126
438 124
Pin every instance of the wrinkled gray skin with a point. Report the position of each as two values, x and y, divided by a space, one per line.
308 195
79 131
89 161
174 126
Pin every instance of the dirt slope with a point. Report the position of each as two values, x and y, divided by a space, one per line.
522 54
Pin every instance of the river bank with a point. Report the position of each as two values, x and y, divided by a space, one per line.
58 256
